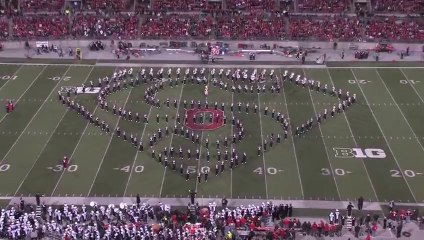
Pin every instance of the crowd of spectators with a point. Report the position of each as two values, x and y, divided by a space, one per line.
394 29
40 26
268 5
37 6
324 6
8 7
229 26
115 5
143 221
177 26
179 6
255 25
93 25
400 6
244 20
324 28
142 6
287 5
306 6
4 29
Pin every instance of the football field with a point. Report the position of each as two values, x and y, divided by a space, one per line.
375 149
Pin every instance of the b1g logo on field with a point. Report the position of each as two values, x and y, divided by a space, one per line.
359 153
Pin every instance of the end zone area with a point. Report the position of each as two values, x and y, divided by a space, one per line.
372 150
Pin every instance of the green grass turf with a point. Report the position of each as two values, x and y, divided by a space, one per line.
388 116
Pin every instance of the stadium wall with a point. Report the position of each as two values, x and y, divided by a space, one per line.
232 44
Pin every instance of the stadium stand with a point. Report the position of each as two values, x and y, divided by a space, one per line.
37 6
179 5
177 26
326 6
287 5
40 26
404 6
255 25
395 29
90 25
115 5
8 8
324 28
142 6
224 20
269 5
4 29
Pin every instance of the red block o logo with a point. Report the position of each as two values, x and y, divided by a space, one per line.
215 119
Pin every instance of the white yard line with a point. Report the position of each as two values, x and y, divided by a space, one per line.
136 153
412 85
29 123
400 110
26 90
291 136
231 150
384 136
354 141
108 145
79 140
325 145
201 139
200 156
172 137
262 144
11 78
